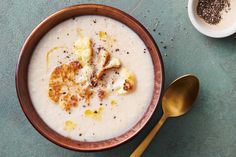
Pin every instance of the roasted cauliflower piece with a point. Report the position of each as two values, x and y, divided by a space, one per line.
125 82
106 62
103 58
85 75
113 63
61 83
83 49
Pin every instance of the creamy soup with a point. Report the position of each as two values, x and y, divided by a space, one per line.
91 78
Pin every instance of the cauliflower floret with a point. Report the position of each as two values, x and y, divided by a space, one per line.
85 75
126 82
106 62
103 58
83 49
113 63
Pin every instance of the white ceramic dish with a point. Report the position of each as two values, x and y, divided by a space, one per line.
226 27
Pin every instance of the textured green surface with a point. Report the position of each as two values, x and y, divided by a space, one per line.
209 130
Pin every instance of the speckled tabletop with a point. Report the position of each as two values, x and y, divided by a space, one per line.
207 131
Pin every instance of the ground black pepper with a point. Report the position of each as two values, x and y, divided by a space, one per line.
117 50
144 50
210 10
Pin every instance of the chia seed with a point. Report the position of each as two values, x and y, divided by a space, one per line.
211 10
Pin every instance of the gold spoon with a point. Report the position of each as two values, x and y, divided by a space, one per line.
177 100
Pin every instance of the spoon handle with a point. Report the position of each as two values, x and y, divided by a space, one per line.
142 146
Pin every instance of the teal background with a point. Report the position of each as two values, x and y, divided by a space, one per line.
209 130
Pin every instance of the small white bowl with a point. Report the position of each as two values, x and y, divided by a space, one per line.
215 31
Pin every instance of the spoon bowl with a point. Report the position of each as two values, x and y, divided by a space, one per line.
180 95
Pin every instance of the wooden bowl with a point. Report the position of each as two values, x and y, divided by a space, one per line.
25 56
